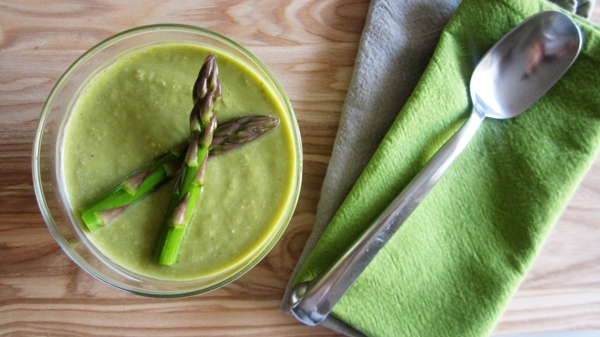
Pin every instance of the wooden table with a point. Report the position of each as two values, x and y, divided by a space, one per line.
310 46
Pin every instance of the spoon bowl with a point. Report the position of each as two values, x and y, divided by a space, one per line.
516 72
524 65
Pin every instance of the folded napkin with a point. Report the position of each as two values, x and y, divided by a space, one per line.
581 7
451 268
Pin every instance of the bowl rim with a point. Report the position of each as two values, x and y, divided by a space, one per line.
37 147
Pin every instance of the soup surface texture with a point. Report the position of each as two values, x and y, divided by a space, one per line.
137 108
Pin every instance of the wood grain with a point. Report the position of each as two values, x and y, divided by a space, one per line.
310 46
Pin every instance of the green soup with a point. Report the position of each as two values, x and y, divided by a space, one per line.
136 109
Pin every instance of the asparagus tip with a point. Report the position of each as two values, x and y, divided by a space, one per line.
132 184
177 218
96 220
191 157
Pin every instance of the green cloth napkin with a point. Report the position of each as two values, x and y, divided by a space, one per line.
450 270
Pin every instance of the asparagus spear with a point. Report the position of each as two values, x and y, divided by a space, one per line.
132 188
203 121
227 136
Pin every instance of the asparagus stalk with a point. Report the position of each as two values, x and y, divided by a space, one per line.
227 136
138 184
203 121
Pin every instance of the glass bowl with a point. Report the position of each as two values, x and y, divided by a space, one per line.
47 167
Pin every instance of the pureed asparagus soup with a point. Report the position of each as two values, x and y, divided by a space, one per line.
138 108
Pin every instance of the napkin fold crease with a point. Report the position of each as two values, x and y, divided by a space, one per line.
450 270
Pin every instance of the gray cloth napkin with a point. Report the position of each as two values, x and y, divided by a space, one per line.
581 7
397 42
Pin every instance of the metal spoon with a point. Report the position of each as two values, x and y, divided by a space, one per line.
512 75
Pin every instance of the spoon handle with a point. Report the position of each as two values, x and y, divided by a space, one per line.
311 302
